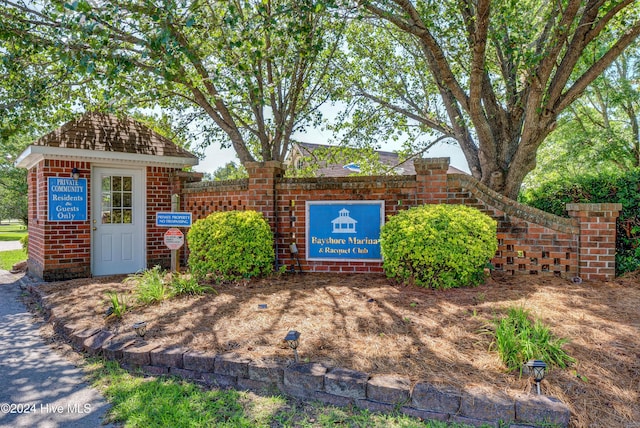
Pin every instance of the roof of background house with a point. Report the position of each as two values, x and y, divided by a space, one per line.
106 132
387 158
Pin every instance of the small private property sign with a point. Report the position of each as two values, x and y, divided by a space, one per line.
344 230
67 199
173 219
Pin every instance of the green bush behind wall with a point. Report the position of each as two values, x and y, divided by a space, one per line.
607 187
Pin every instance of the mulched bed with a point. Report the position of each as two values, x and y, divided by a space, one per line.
367 323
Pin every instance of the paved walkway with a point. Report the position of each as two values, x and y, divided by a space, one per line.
38 387
10 245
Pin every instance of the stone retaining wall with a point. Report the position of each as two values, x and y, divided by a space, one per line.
316 382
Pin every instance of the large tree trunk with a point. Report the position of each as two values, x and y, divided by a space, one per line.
512 110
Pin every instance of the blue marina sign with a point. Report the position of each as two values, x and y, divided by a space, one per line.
173 219
67 199
344 230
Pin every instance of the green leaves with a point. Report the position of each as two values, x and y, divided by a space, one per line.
188 285
118 305
603 187
246 73
490 75
438 246
600 130
231 245
151 286
518 340
79 6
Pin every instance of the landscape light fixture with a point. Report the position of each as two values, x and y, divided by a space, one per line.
537 368
75 173
292 338
140 328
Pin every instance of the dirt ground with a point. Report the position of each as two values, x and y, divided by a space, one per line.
367 323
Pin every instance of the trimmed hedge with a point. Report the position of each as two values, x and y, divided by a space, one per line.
231 245
618 187
438 246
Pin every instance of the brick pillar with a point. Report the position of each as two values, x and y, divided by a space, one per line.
597 252
179 178
262 189
431 177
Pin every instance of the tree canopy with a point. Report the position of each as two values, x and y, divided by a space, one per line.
492 75
230 171
13 183
252 69
600 131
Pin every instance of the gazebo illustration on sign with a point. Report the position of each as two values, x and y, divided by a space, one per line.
343 223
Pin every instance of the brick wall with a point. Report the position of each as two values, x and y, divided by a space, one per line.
530 241
57 250
160 187
202 199
60 250
398 192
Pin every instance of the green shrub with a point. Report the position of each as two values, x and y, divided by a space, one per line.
231 245
439 246
24 241
606 187
150 285
518 340
189 285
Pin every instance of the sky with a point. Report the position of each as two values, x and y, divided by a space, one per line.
215 157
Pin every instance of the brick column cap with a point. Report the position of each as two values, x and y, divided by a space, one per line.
187 176
267 164
425 164
603 207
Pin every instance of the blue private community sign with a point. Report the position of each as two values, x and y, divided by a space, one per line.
67 199
344 230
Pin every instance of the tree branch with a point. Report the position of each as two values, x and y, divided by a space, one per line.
598 67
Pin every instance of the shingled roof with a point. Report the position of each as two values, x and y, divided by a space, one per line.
106 132
390 159
107 136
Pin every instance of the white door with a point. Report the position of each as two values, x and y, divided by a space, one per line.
118 221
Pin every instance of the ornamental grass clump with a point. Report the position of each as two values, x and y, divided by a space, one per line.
188 285
151 286
518 339
438 246
231 245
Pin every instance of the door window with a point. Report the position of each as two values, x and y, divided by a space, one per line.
117 203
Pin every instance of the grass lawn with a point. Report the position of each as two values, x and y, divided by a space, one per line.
10 258
139 401
12 231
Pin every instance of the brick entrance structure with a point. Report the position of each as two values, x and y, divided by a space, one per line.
530 241
103 150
